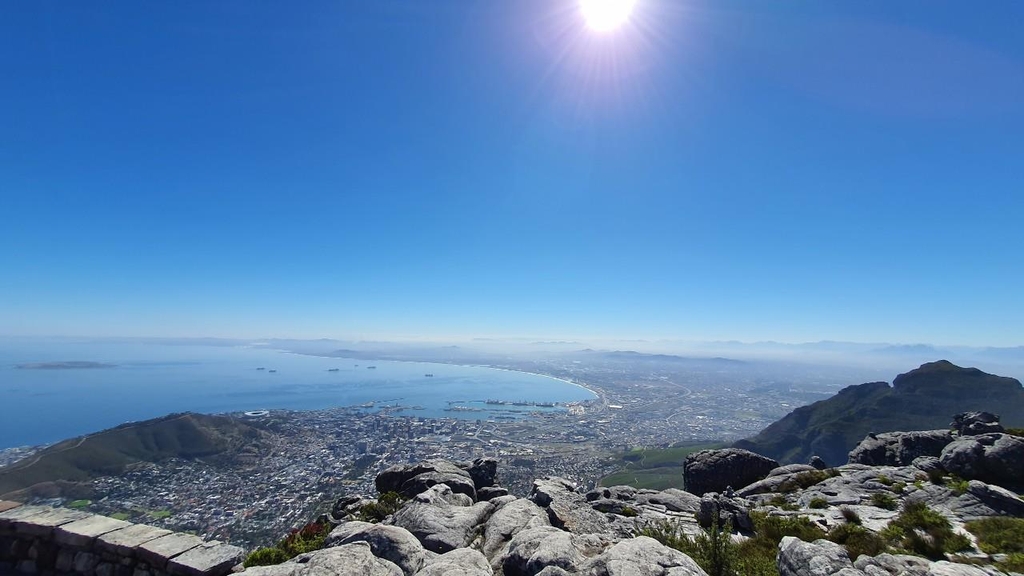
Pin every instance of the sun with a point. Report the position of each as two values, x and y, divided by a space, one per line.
604 15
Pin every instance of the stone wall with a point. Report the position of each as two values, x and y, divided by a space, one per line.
42 540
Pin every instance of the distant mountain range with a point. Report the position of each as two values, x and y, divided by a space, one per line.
922 399
111 451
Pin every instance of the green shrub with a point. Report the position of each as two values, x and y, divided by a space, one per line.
712 550
1015 563
265 557
628 512
386 505
884 501
899 487
306 539
936 476
807 479
999 535
857 540
957 484
1015 431
850 515
883 479
818 502
920 530
780 501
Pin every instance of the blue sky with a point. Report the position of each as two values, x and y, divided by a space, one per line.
712 170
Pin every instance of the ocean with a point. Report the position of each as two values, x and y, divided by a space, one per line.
42 406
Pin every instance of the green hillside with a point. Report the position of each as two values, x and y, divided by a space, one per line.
111 451
922 399
654 468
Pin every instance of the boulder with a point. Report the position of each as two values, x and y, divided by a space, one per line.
490 492
672 499
353 559
642 556
927 464
567 508
731 511
818 558
817 463
391 543
899 448
458 562
537 549
716 470
483 471
974 423
403 479
992 458
508 521
440 521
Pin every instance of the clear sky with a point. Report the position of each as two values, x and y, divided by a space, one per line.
713 169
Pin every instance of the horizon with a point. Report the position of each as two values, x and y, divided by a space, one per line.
699 171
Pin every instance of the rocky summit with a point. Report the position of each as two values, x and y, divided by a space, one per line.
912 504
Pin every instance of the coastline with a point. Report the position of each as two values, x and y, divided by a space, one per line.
597 396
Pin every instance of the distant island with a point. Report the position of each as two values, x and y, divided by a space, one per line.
67 365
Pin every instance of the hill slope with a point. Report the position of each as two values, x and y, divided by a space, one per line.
110 451
922 399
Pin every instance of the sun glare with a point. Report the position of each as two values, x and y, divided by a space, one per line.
604 15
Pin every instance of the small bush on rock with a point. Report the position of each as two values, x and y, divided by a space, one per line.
857 540
265 557
999 535
306 539
807 479
818 503
883 501
920 530
386 505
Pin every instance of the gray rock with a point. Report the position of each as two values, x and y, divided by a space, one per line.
928 464
625 493
43 523
508 521
732 511
353 559
974 423
391 543
790 469
458 562
483 471
817 463
490 492
992 458
818 558
716 470
400 478
533 550
642 556
567 508
439 524
899 448
672 499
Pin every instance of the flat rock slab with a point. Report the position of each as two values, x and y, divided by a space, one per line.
42 524
9 517
123 542
6 505
81 533
209 559
158 552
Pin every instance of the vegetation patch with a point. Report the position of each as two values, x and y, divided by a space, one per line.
920 530
386 505
857 540
818 503
299 541
999 535
780 501
79 504
654 468
807 479
884 501
850 515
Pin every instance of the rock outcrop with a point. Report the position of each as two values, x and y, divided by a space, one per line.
974 423
993 458
718 470
899 448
